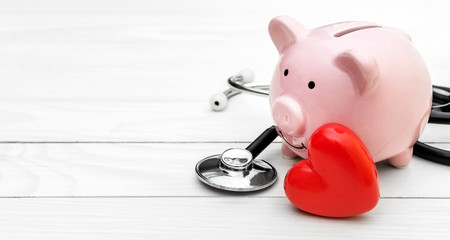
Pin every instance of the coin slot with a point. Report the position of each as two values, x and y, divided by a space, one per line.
354 29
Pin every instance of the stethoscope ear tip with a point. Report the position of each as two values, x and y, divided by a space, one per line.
218 102
247 75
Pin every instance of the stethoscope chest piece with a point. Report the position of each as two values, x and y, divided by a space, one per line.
236 170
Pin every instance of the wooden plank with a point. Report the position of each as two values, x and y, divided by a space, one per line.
166 52
217 218
168 121
112 74
146 51
145 122
167 170
143 71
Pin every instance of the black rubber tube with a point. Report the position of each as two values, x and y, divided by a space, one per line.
261 142
431 153
439 117
426 151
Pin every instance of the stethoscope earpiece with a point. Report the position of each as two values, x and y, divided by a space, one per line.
246 75
218 101
238 83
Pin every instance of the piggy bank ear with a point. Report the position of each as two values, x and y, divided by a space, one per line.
285 30
362 69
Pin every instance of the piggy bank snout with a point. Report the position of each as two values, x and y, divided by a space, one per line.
288 115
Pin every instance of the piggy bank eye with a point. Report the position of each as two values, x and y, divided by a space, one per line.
286 72
311 85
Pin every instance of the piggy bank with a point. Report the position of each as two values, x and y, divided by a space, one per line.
367 77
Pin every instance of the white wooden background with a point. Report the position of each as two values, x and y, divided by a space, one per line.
104 113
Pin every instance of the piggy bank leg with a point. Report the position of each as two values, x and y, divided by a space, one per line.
402 159
287 152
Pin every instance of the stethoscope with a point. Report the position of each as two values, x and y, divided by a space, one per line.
239 170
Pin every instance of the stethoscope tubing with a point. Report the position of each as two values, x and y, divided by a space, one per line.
252 88
431 153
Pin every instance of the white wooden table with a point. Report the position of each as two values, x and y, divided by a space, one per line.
104 113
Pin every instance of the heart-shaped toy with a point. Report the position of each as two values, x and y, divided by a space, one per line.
339 178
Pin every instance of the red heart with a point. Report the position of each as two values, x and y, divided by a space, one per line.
338 180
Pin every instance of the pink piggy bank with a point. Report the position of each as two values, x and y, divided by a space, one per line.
366 77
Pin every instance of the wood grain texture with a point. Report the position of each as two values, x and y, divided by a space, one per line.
214 218
49 170
146 122
141 71
104 113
